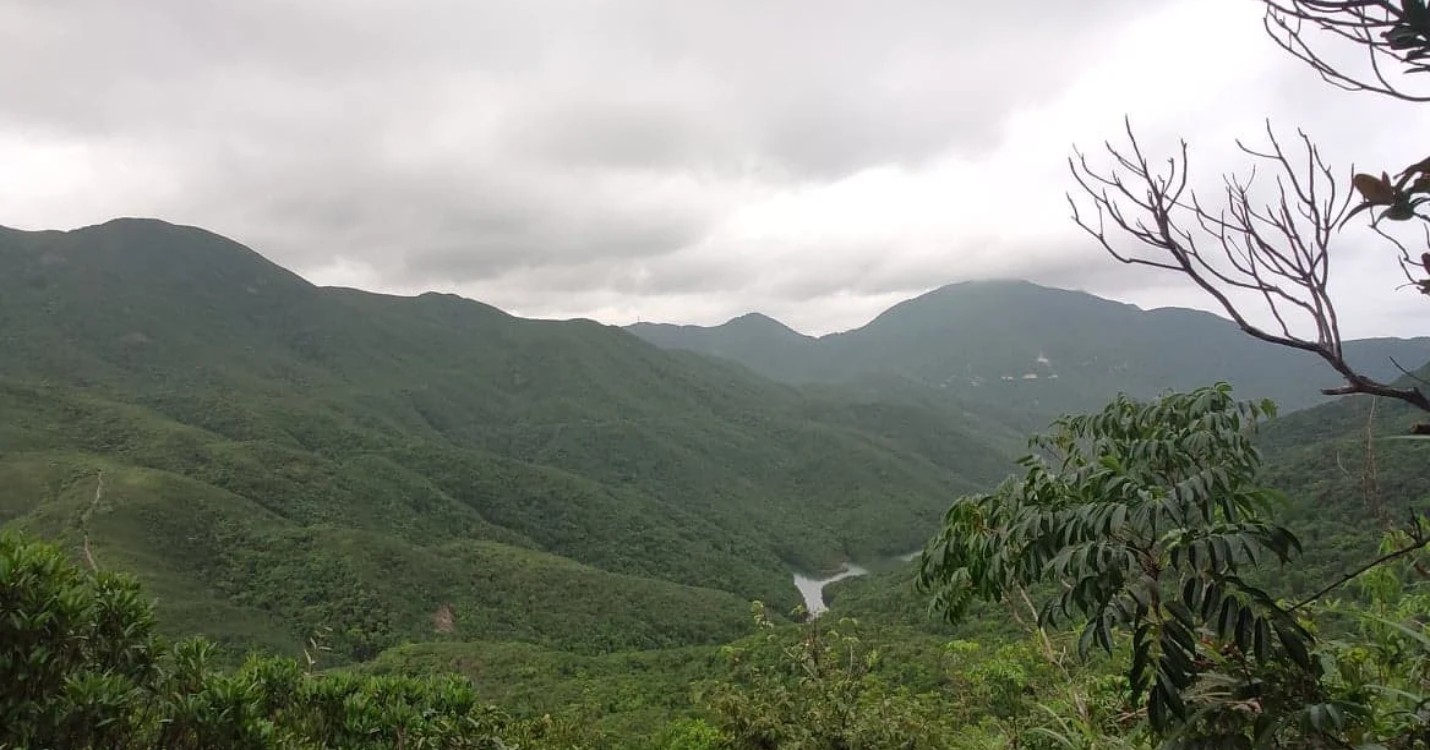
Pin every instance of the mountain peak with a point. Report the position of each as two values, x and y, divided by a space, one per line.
146 228
134 250
145 222
1038 350
755 321
980 288
993 283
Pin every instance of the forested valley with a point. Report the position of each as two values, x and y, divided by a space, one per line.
300 549
241 510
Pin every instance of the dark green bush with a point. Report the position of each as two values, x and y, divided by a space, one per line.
80 667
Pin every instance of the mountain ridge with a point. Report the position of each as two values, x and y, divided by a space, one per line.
241 415
1004 343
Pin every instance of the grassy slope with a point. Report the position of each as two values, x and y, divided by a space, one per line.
264 440
250 575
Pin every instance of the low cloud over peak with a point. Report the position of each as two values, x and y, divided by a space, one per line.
638 158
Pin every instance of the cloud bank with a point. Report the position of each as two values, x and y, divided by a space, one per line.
641 159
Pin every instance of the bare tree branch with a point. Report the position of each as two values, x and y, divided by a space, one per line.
1393 36
1408 373
1277 251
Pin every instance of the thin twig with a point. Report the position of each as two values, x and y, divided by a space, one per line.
1418 542
1370 485
1359 22
1408 373
1280 253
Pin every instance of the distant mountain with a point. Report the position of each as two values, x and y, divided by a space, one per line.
759 341
1017 346
277 459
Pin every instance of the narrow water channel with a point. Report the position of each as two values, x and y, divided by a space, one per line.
812 589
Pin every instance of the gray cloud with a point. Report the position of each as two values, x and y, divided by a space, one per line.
559 156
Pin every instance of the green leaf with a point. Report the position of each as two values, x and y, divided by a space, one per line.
1192 592
1245 622
1211 597
1180 611
1294 645
1261 645
1141 647
1226 621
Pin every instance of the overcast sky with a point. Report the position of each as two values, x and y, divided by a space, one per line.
663 160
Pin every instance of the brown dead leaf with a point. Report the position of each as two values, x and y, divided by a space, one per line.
1376 190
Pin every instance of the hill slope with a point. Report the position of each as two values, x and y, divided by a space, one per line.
758 341
1033 350
295 457
1349 471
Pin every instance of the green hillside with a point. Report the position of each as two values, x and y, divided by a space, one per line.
1344 489
1028 353
758 341
280 458
1348 469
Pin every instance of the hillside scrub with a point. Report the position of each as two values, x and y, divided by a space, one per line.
1144 526
1148 516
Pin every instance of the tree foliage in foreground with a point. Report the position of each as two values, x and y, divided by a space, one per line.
818 690
80 667
1147 525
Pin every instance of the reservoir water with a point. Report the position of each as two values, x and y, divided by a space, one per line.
812 589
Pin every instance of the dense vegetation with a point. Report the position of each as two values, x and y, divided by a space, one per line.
1350 668
421 522
84 669
896 679
1150 520
274 459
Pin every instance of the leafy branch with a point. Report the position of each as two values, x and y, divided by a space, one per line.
1145 517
